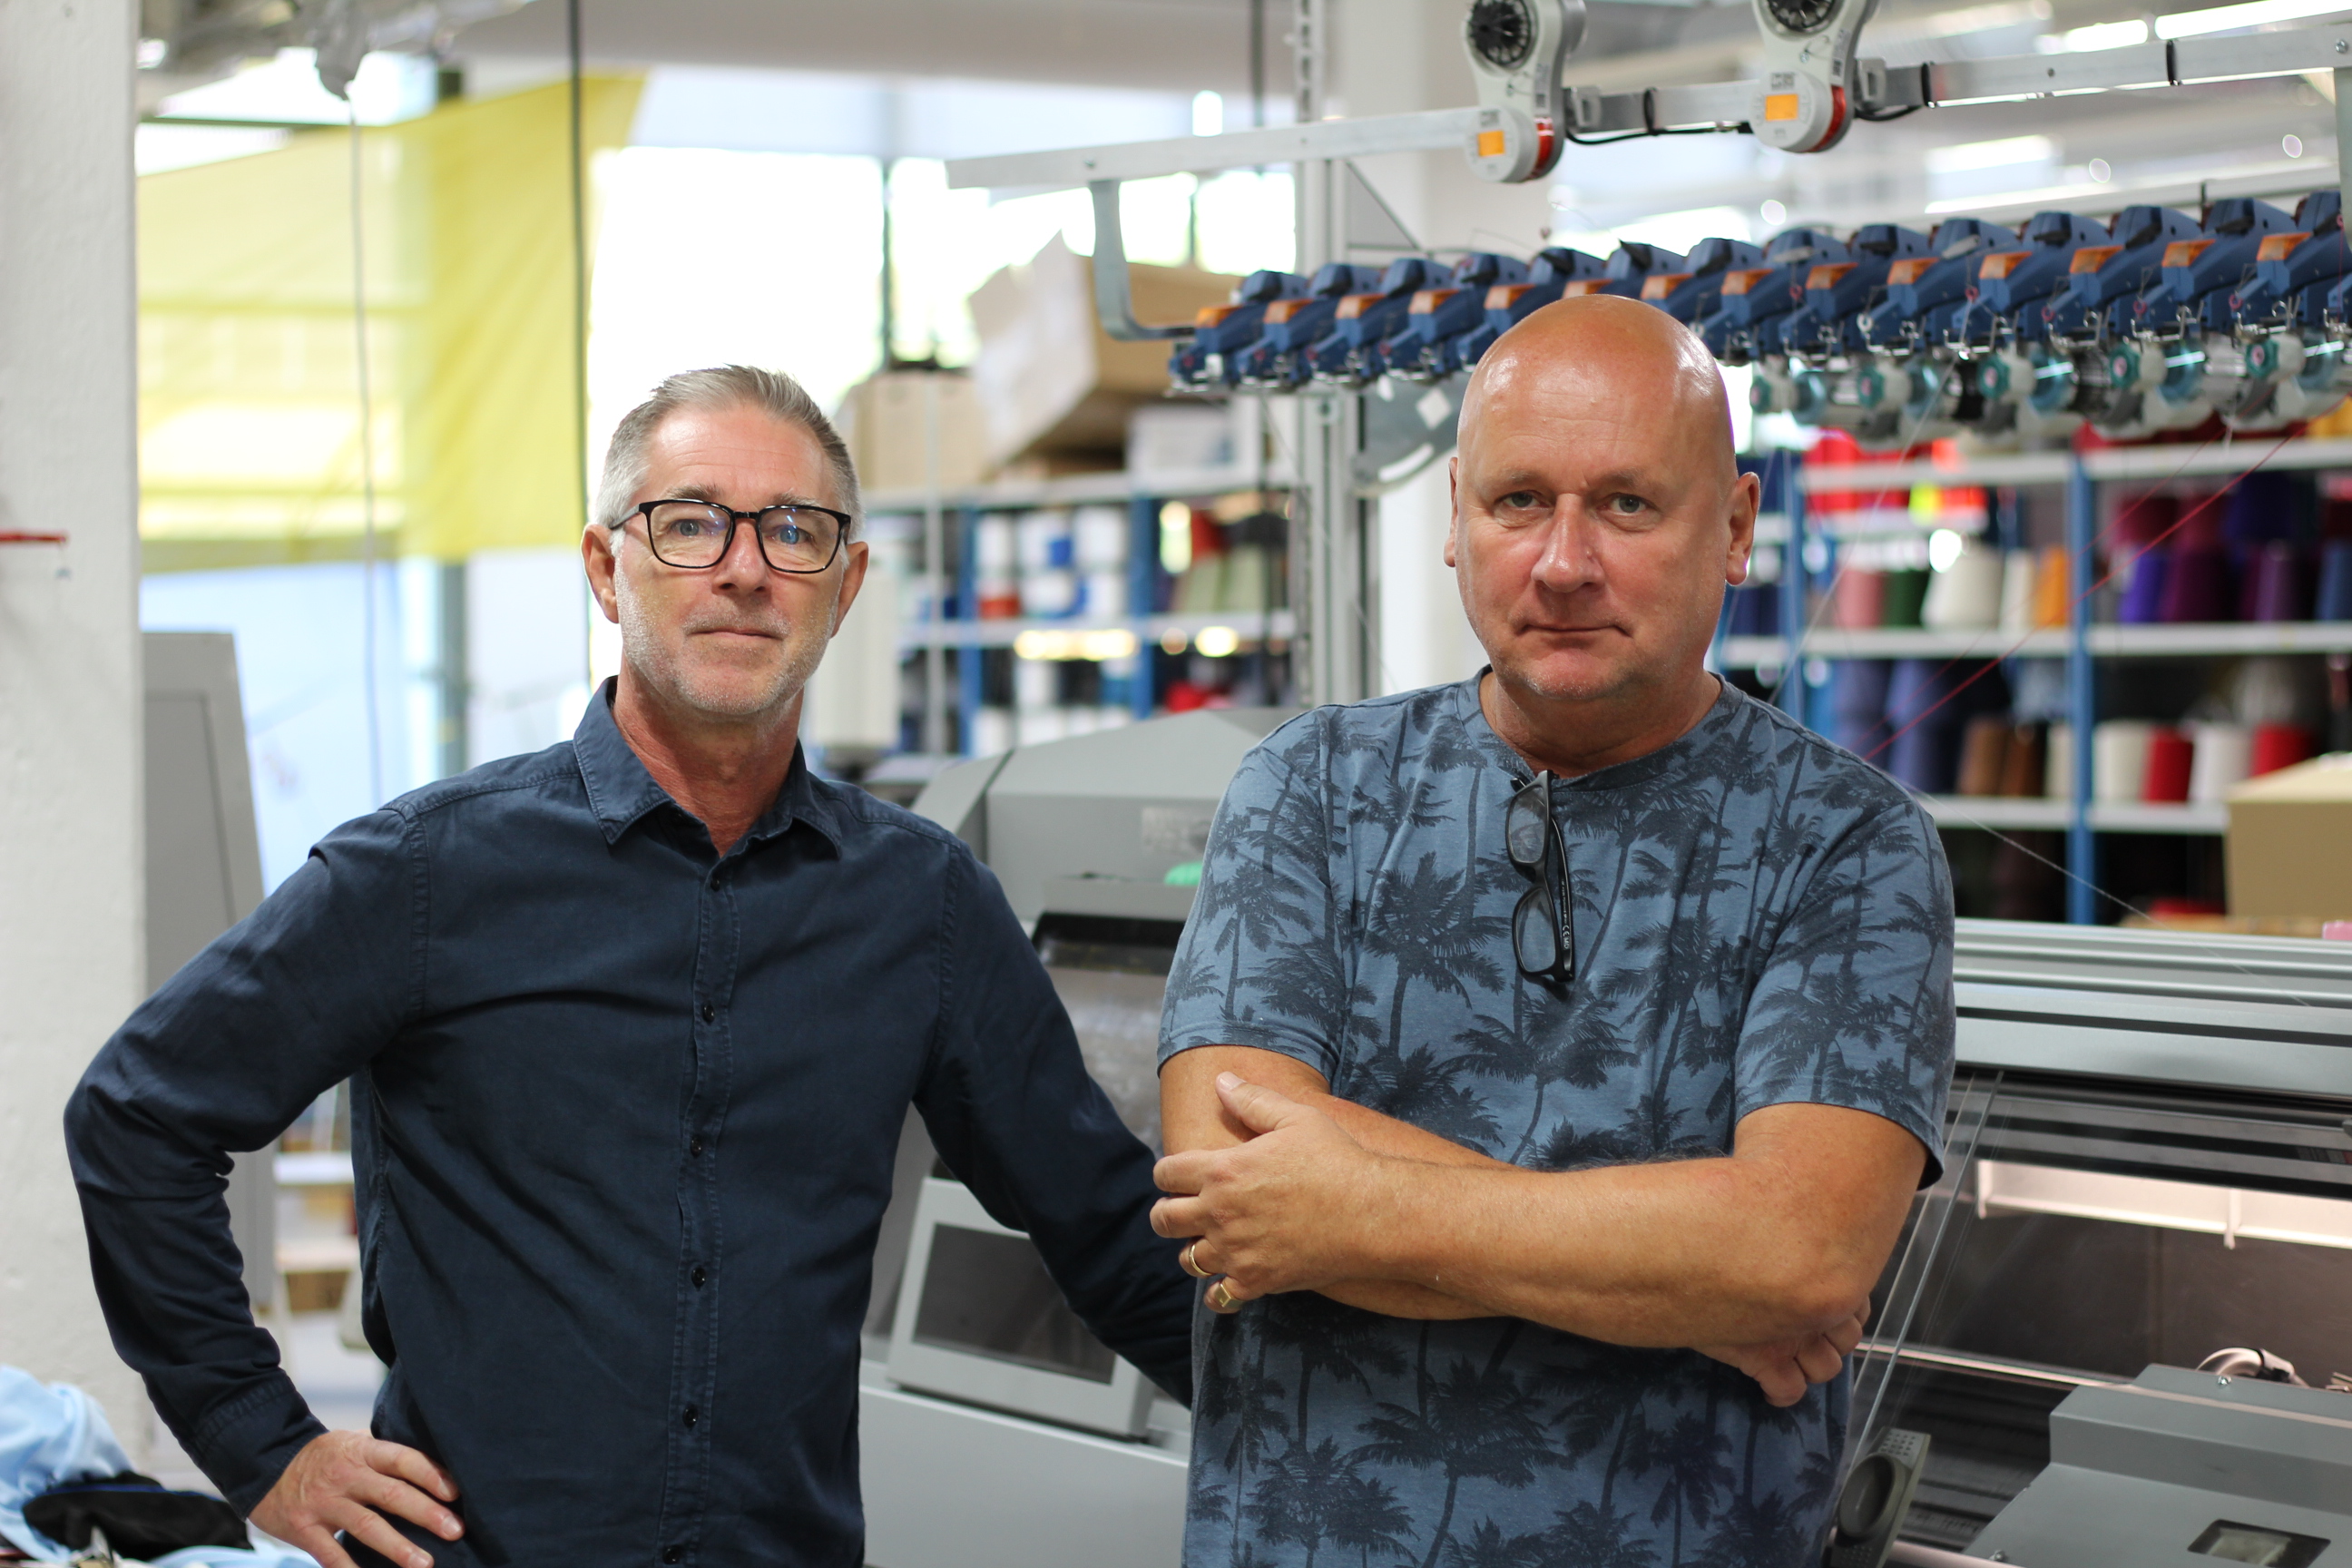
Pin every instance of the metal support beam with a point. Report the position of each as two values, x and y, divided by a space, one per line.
1714 105
1433 129
2344 125
1114 295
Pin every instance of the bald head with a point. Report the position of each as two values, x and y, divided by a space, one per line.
1598 512
1598 351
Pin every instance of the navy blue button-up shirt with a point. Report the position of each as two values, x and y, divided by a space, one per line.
624 1113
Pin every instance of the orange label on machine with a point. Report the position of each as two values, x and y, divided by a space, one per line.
1490 144
2185 252
2002 263
2279 246
1780 106
1826 274
1583 285
2091 257
1428 299
1740 279
1659 285
1502 296
1911 268
1353 305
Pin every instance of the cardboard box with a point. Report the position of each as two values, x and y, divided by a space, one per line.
1049 378
885 420
2290 845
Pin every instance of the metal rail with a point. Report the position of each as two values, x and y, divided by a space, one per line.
2180 62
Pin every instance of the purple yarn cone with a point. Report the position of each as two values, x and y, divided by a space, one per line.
2143 602
2281 583
2198 587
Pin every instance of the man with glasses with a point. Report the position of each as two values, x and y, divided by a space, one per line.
1551 1058
632 1027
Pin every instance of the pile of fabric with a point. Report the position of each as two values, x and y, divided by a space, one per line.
65 1482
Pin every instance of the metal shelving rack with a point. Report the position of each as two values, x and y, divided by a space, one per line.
2080 643
1142 494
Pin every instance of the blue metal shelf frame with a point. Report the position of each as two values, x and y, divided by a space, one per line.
1142 591
1793 579
2082 692
971 689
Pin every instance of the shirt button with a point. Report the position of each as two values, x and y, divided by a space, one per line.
694 1146
709 1011
692 1415
701 1276
673 1553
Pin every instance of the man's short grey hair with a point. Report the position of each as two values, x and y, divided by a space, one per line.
771 392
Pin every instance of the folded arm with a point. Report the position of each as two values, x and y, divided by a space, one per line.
1764 1258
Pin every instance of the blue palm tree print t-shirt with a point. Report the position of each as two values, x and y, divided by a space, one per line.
1759 918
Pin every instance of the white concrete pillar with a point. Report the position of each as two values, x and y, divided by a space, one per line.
71 857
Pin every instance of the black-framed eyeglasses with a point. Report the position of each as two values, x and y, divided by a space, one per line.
1543 926
696 535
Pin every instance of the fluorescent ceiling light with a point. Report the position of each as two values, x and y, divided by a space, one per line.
2253 13
2001 155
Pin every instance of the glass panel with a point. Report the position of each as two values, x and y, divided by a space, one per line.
1112 975
2082 1232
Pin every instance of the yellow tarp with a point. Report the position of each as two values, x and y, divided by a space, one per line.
249 386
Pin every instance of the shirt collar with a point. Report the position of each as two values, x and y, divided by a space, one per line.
1728 701
621 793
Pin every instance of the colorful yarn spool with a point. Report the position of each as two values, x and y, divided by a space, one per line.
2170 759
2225 756
2280 746
2119 760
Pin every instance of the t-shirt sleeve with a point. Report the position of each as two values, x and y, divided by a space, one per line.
1258 964
1854 1006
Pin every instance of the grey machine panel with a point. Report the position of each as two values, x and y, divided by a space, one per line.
204 865
1124 805
2233 1012
2184 1467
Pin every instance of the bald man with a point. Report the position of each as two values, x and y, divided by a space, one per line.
1552 1057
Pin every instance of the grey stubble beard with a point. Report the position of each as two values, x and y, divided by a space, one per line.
649 657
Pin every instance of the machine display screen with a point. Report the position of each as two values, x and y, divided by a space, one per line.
989 1295
2233 1542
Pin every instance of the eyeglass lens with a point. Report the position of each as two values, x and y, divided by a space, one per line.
1535 939
794 539
1523 826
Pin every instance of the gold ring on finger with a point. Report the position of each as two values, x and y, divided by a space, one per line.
1220 1299
1189 1264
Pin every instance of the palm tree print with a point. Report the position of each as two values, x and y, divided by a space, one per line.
1590 1536
1339 1342
1473 1423
1759 918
